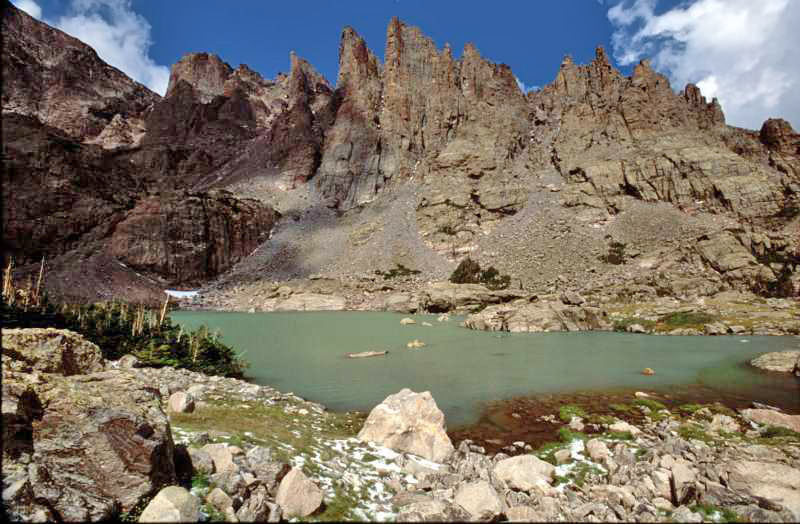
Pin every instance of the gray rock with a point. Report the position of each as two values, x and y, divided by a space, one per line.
172 504
201 461
222 457
778 361
684 514
526 473
597 450
219 499
257 507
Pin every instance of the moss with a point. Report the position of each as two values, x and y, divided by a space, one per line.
623 323
601 419
690 408
566 413
693 431
686 319
567 435
618 435
776 431
649 403
621 408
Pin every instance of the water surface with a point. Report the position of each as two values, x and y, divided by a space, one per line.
304 352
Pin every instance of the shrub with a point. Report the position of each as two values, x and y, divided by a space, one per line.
469 272
399 271
616 253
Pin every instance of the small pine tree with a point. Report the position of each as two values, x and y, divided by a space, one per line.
616 253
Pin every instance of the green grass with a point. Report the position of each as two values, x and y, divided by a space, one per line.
693 431
567 435
200 481
621 408
686 319
601 419
566 413
777 431
707 510
548 450
690 408
618 435
623 323
337 509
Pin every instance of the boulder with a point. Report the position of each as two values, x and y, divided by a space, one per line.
181 402
221 455
525 473
101 443
623 427
432 510
219 499
312 302
410 422
776 482
172 504
768 417
723 423
480 500
778 361
297 495
416 344
407 321
201 461
257 507
401 303
562 456
440 297
683 480
534 317
49 350
597 450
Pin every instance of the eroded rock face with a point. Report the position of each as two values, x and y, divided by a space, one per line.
189 237
411 422
61 81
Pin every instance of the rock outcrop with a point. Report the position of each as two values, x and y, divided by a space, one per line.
85 444
411 422
50 350
779 361
542 315
190 237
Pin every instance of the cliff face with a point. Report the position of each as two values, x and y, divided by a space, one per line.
62 82
188 238
533 183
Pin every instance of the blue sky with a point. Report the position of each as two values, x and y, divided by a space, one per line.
738 50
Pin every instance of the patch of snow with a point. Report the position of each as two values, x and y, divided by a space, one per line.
180 294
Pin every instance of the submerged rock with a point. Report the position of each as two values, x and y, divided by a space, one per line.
411 422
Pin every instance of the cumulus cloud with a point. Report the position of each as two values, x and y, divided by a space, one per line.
739 51
30 7
120 36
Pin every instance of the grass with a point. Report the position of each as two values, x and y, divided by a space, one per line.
566 413
707 510
567 435
338 508
601 419
547 451
581 471
690 409
274 426
618 435
649 403
777 431
693 431
686 319
621 408
623 323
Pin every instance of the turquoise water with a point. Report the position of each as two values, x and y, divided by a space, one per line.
304 352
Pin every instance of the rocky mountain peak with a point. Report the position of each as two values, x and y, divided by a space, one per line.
205 72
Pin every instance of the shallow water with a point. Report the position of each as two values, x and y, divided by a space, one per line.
304 352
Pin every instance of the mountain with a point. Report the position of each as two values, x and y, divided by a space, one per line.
236 180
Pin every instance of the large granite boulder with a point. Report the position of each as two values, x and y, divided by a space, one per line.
50 350
411 422
778 361
543 315
439 297
525 473
769 417
777 482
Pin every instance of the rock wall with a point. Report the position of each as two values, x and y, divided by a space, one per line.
190 237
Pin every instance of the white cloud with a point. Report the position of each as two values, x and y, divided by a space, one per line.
741 51
120 36
30 7
524 87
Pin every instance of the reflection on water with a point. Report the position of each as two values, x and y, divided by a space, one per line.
304 352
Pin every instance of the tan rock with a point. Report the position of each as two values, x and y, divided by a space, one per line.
297 495
411 422
479 499
221 456
525 472
219 499
777 482
597 450
778 361
181 402
172 504
768 417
